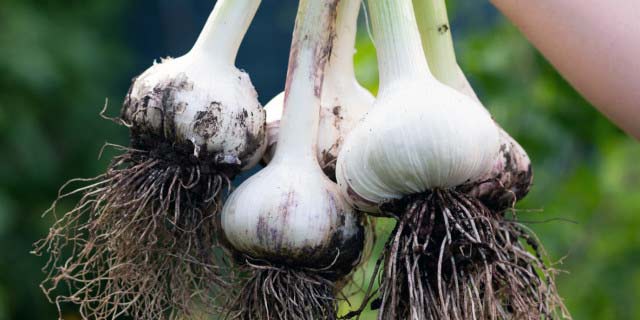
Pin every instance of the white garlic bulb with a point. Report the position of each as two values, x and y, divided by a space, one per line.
201 101
420 134
290 213
297 217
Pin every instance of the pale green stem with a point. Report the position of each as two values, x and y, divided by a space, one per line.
435 30
437 42
398 44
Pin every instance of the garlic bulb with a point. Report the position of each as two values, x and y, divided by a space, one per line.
201 101
420 134
449 256
289 222
511 176
290 211
344 101
293 215
141 238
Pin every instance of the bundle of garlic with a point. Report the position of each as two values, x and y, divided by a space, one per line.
142 238
289 224
344 101
427 155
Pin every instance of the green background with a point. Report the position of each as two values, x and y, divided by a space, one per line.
59 60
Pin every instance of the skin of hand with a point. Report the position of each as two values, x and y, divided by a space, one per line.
594 44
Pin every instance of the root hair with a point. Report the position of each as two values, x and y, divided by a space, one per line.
449 257
140 242
282 293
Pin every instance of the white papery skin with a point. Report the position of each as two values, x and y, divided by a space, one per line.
344 101
420 134
415 140
203 96
290 211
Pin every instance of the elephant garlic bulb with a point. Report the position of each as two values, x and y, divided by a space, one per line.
295 231
449 255
344 101
143 235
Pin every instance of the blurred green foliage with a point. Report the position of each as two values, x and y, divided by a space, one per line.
585 171
59 60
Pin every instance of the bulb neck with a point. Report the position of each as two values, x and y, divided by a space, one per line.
224 30
435 31
310 49
397 40
340 67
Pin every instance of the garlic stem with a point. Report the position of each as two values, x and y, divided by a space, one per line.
340 69
310 51
225 28
437 41
398 43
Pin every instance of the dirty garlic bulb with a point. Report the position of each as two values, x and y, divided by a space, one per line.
344 101
289 221
201 101
511 176
420 134
142 238
293 217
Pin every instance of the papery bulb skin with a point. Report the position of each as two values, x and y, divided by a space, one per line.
341 109
296 219
205 109
420 135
